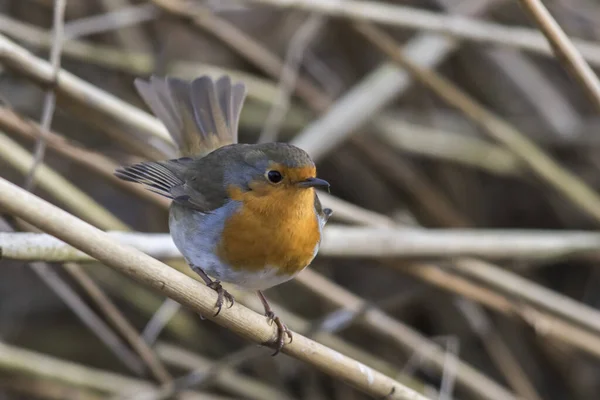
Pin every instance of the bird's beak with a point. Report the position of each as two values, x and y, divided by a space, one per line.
313 182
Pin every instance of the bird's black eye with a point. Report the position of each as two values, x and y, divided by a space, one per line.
274 176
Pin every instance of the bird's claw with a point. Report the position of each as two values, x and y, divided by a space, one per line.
282 331
222 295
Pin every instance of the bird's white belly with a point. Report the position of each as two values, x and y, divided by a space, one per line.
250 280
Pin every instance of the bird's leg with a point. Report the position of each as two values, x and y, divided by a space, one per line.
282 330
216 286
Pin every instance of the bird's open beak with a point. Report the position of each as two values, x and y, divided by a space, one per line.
313 182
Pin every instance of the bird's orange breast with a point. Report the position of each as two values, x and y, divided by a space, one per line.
279 229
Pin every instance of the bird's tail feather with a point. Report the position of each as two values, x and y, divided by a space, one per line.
201 115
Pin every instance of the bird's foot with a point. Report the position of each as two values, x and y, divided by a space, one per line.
222 295
282 331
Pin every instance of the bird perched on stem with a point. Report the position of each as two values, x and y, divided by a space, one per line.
245 214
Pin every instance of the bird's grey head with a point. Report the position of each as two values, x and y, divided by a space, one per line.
273 165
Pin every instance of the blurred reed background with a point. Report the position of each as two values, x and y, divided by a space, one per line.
462 152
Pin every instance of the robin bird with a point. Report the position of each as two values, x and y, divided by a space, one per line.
246 214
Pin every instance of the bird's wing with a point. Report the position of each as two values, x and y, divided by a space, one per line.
172 179
324 213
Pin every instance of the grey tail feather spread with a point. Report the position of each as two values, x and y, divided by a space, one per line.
201 115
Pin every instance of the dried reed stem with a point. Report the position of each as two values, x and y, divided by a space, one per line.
564 49
350 242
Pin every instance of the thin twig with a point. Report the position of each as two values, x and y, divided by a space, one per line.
183 327
94 162
160 319
13 358
447 145
545 324
538 87
200 377
113 20
323 74
237 383
497 348
40 388
348 242
404 336
131 37
87 316
124 326
298 44
50 97
529 292
564 49
342 318
67 194
433 201
449 376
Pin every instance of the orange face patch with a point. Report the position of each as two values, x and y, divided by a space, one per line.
294 175
276 225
